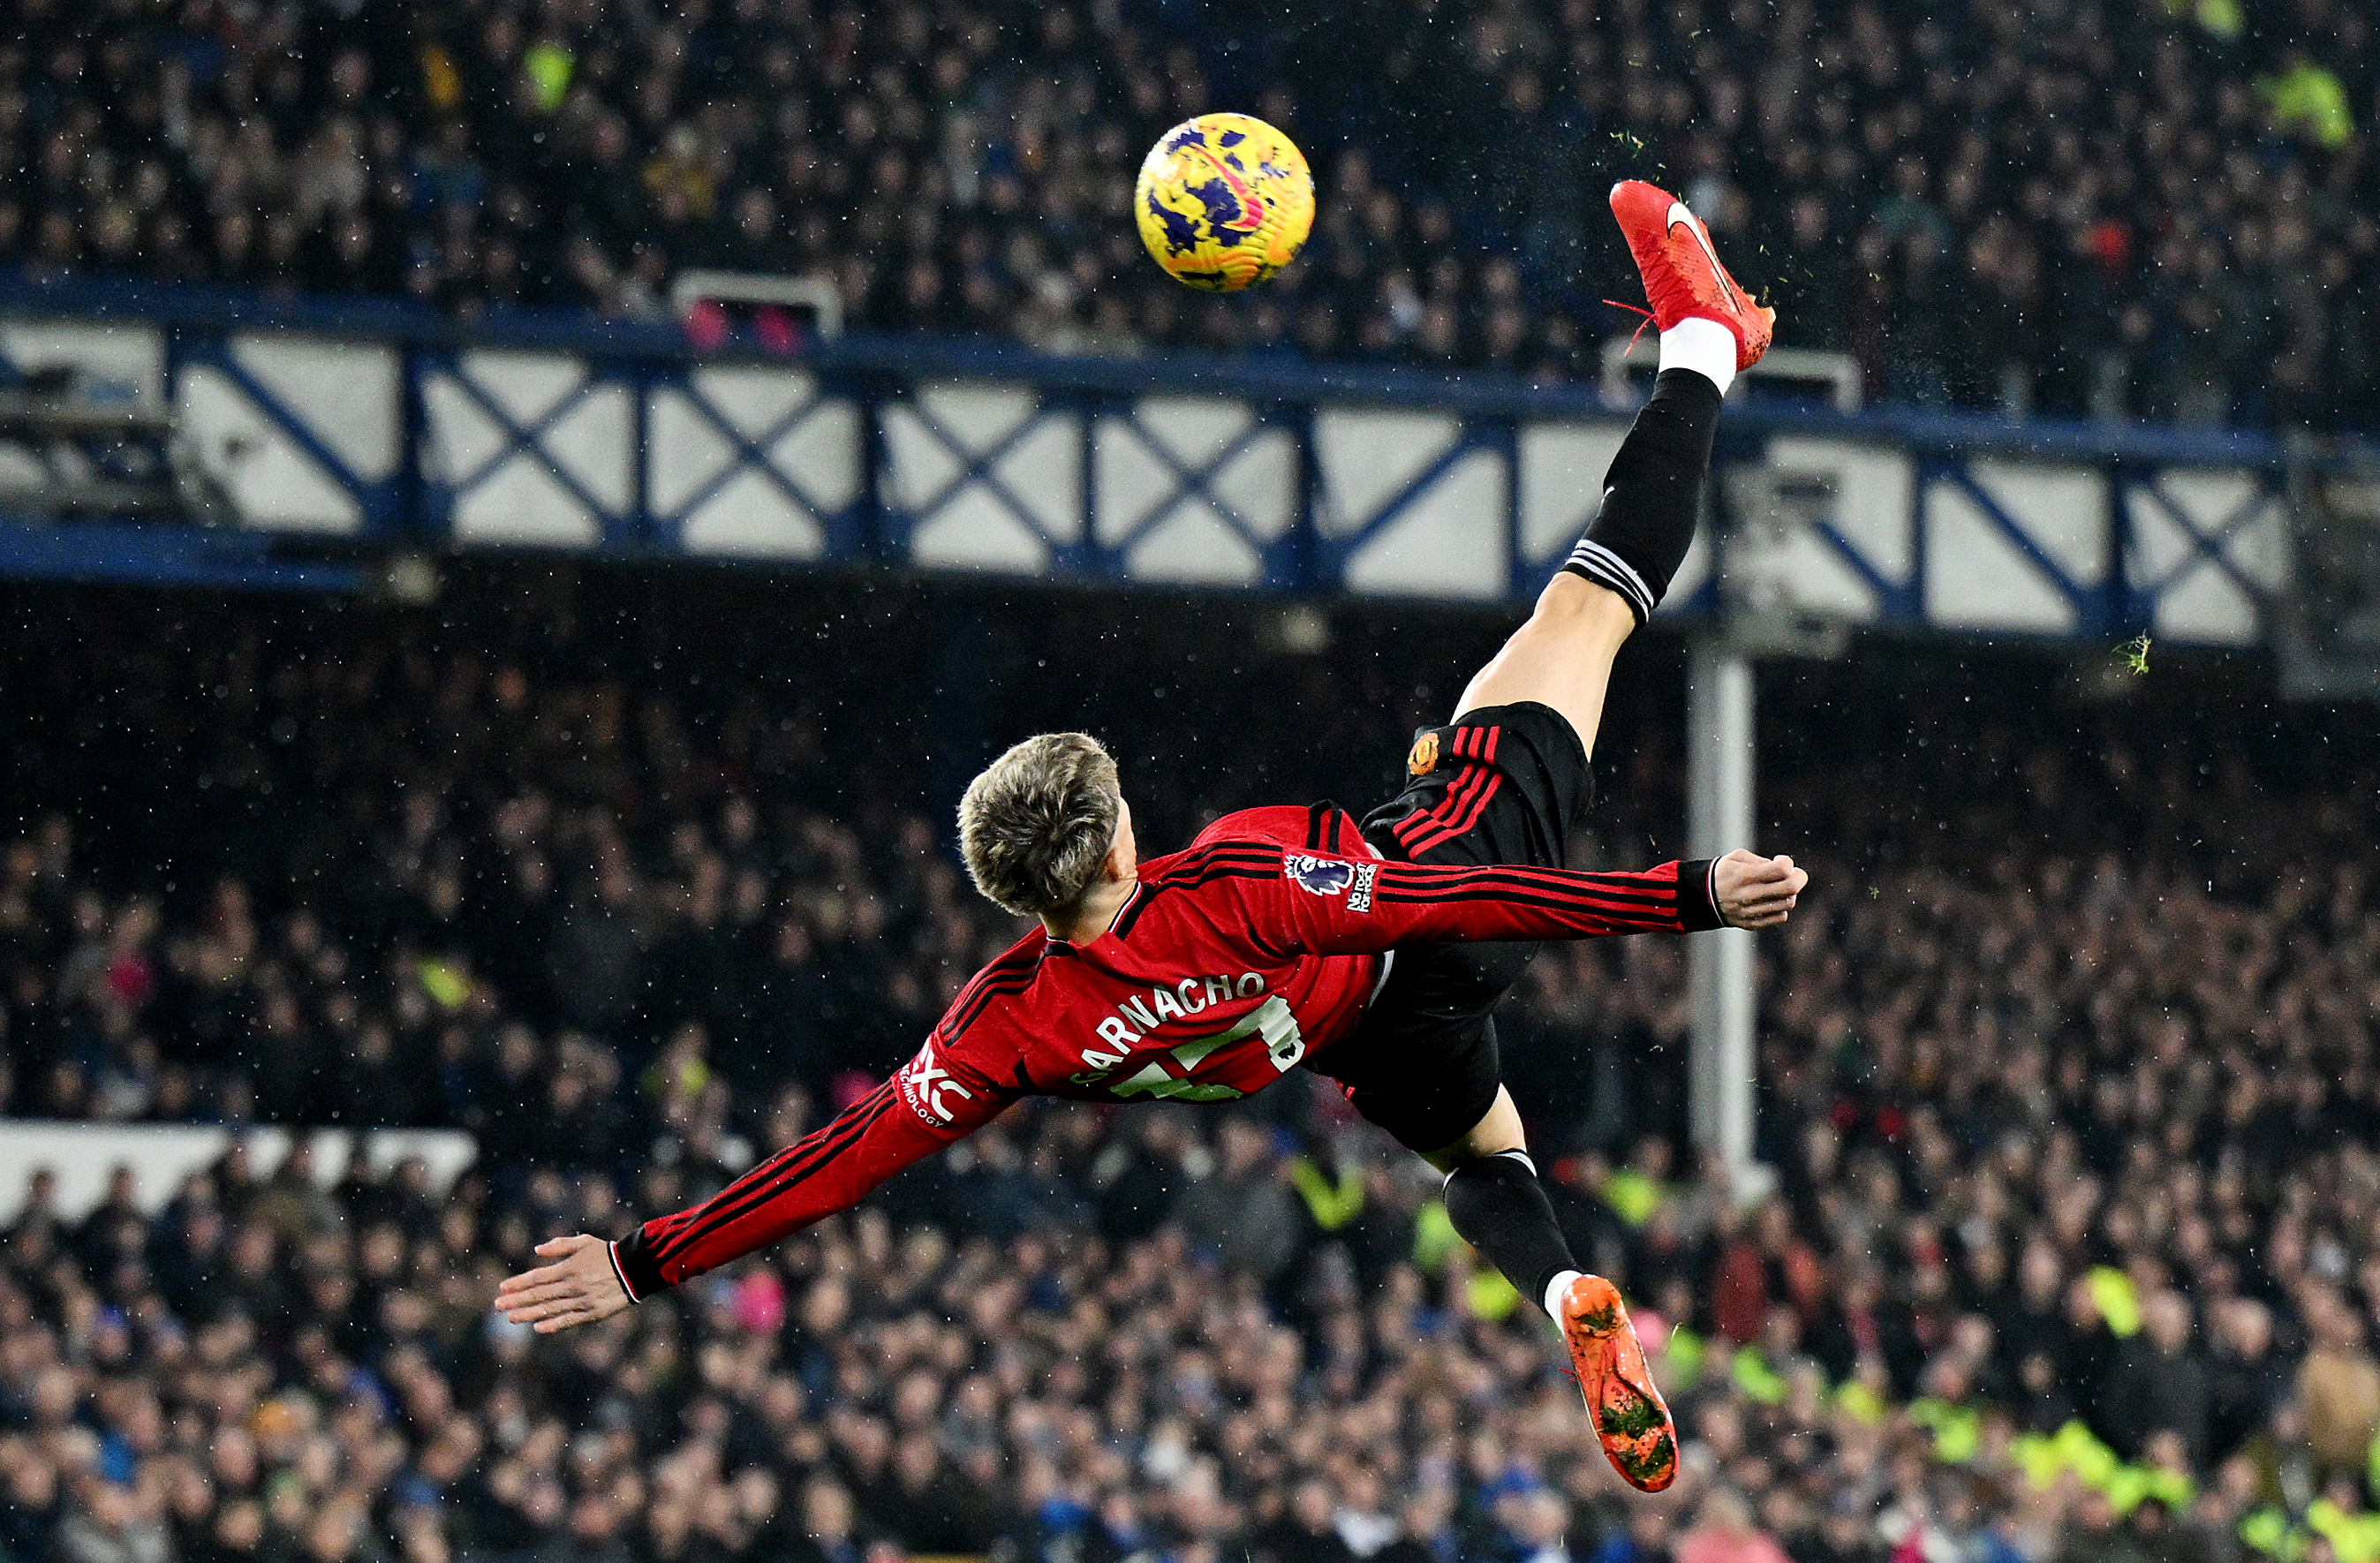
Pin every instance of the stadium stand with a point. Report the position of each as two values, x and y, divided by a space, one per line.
2069 1086
2114 209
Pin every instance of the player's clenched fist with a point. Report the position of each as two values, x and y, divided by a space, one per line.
1755 891
580 1287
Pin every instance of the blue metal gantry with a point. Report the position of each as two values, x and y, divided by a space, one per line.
377 427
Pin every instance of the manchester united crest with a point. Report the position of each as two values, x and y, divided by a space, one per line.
1423 758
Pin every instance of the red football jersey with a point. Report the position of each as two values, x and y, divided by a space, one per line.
1231 962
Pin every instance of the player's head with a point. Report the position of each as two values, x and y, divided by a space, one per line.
1035 828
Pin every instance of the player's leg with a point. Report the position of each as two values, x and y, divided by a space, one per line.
1499 1133
1652 493
1504 785
1494 1199
1424 1065
1420 1082
1560 657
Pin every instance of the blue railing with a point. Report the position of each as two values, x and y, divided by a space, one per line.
382 425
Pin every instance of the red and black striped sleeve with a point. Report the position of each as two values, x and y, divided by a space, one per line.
930 1101
1342 906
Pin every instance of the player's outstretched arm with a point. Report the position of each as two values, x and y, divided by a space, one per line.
1344 907
926 1103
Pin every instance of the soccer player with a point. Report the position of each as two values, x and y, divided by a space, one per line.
1371 953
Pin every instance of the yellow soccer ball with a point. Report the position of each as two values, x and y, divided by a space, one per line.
1224 201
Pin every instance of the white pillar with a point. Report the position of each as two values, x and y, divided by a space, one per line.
1720 965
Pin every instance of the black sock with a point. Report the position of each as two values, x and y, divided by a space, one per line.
1652 493
1498 1204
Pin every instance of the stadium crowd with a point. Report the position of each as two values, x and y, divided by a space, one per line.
2068 1082
2108 208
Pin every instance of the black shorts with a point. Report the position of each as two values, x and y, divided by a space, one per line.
1502 784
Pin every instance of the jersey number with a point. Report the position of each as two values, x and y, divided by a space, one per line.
1283 1044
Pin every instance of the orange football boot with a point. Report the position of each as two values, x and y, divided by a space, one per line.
1638 1437
1683 274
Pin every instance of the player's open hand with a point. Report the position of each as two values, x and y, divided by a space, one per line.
580 1287
1754 892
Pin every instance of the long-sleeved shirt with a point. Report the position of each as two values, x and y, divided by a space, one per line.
1231 962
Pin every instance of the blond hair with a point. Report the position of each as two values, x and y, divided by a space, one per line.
1036 825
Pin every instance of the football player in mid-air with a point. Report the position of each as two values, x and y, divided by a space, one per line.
1286 937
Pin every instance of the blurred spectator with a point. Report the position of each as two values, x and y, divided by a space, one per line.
1723 1533
2339 1384
1305 1533
2157 1384
1243 1209
110 1523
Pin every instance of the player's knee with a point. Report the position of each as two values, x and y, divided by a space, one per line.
1484 1179
1577 604
1497 1133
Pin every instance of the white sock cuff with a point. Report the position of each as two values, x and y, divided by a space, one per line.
1604 568
1554 1290
1520 1156
1705 346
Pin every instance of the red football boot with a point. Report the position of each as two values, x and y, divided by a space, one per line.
1682 275
1638 1437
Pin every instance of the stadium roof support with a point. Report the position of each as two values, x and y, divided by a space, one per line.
347 429
1722 966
